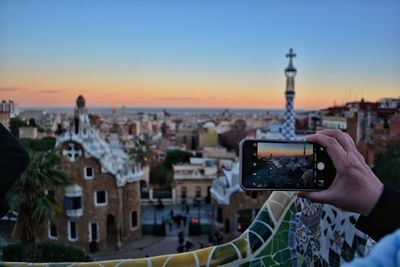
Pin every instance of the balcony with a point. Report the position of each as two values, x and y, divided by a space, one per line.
74 213
73 201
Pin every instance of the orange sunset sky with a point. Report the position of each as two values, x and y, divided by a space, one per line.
182 54
276 149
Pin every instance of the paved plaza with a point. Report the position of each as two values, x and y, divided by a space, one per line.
150 245
151 214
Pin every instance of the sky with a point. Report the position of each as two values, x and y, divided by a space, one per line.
277 149
217 54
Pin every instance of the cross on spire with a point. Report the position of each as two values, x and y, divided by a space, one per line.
291 54
73 152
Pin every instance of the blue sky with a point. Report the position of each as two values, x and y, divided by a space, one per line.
77 45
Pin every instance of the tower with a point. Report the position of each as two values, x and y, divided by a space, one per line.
290 73
81 118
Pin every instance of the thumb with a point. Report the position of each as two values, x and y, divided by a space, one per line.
318 196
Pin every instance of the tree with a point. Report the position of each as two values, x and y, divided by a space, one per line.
163 174
32 122
15 124
38 145
140 151
387 165
177 156
29 198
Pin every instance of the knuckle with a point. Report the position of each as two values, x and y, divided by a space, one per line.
351 162
338 133
331 141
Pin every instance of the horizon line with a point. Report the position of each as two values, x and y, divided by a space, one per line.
166 108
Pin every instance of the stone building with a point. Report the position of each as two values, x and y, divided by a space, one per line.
192 181
103 204
235 209
187 135
8 110
208 135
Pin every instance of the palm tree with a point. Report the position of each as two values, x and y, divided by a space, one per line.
30 199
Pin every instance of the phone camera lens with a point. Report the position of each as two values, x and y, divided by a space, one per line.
320 166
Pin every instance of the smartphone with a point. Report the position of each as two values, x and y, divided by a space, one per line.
284 165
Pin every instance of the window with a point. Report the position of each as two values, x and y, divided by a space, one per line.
88 172
72 231
198 191
219 215
93 232
134 219
53 233
183 191
101 198
73 203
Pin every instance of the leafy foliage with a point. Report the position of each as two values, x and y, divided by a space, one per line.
43 144
15 124
140 151
163 174
46 252
177 156
387 165
28 196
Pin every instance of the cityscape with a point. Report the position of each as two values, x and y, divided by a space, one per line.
141 166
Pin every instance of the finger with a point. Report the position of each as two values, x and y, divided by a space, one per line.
320 196
350 140
354 148
335 151
339 136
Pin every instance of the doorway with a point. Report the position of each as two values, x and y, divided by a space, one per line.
112 233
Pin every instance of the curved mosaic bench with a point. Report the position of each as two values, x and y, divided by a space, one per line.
287 231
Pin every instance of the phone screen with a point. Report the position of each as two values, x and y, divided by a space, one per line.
283 165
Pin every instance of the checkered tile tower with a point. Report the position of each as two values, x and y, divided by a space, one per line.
288 125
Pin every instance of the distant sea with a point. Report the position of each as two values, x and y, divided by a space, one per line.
173 111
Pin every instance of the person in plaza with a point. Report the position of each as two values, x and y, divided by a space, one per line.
13 161
160 204
179 220
187 209
184 219
356 188
181 248
169 222
188 245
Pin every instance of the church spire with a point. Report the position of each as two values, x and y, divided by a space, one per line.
289 119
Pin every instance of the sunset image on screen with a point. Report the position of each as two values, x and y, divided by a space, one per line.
265 150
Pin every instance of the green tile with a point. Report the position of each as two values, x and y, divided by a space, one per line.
264 216
262 230
255 242
224 254
282 256
241 244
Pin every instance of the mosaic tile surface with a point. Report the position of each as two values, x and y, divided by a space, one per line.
287 231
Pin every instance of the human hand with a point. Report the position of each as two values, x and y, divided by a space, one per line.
355 187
